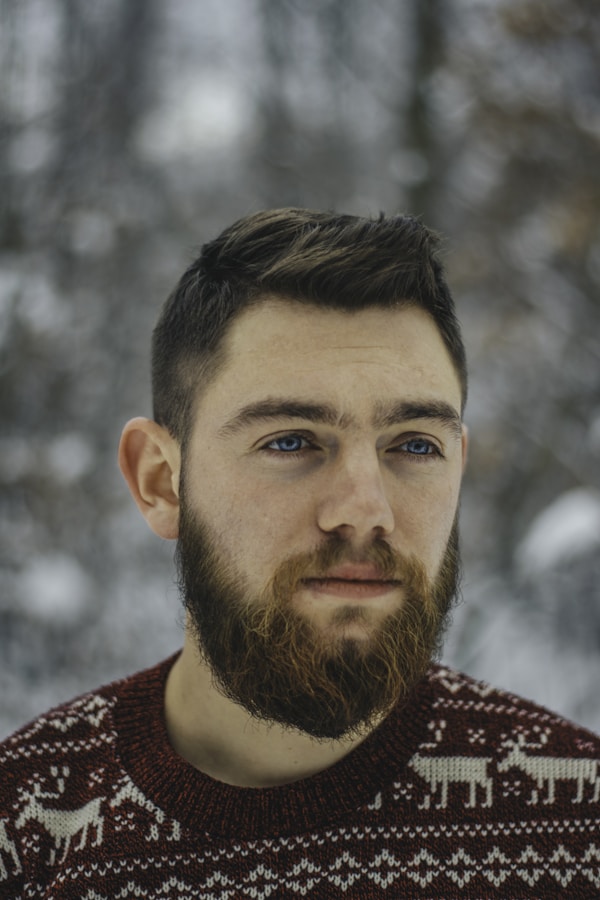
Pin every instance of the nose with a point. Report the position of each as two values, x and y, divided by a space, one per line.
354 503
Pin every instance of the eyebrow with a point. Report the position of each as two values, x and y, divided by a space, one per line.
386 415
407 410
276 408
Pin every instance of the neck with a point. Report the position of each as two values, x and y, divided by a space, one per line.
218 737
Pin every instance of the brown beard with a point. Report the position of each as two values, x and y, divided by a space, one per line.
273 661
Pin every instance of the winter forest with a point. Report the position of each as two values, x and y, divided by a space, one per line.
132 131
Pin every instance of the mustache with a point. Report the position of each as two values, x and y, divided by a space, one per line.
390 565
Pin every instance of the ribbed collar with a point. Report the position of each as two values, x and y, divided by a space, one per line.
207 806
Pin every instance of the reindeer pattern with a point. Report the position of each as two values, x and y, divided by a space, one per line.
80 827
8 849
545 770
442 771
482 775
129 794
62 825
71 817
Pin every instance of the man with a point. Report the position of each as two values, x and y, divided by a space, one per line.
306 453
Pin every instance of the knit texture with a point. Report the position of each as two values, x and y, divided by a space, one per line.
466 792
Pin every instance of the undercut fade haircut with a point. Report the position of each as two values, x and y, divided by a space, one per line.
332 261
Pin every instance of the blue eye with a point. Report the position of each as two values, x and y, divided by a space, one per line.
289 443
419 447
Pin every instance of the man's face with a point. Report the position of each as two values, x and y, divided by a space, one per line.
318 545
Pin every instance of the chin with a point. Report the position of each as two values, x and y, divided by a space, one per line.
353 626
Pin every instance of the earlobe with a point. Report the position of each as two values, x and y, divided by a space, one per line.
150 460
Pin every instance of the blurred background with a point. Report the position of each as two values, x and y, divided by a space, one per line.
131 131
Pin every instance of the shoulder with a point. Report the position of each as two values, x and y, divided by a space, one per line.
62 725
48 767
81 728
515 759
60 728
60 774
41 759
478 704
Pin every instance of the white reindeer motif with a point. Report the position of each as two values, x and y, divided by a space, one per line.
63 824
550 769
445 770
129 792
9 848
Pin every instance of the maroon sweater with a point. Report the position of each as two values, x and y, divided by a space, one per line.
467 792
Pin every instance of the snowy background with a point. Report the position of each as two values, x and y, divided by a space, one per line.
131 131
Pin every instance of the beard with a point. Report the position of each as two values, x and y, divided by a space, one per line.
273 661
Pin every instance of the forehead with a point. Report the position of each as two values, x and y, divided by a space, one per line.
290 348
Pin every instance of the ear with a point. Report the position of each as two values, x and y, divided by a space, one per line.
150 460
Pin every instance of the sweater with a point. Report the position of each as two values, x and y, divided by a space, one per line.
465 792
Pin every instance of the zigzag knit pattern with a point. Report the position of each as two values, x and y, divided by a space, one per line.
466 792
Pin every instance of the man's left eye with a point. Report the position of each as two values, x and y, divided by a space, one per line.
289 443
419 447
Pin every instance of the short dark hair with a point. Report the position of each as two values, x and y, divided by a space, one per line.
325 259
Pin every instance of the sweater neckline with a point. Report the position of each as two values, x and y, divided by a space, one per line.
208 806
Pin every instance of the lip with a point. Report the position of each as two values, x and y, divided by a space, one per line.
360 588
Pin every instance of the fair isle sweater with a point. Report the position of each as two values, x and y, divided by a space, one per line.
466 792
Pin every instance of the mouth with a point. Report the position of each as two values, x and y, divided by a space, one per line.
352 581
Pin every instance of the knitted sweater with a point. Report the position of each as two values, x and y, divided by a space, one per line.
466 792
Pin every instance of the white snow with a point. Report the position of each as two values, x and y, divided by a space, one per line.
69 457
55 589
201 114
567 529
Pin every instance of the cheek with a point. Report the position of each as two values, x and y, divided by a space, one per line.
424 522
255 528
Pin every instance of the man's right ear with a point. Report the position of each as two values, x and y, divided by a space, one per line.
150 460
